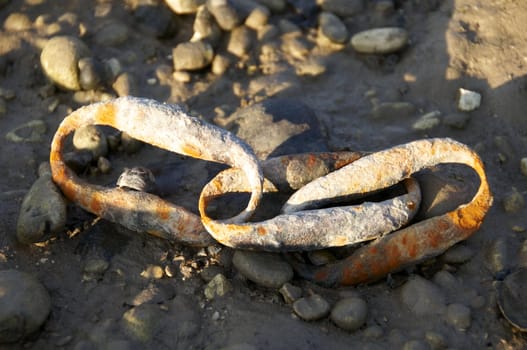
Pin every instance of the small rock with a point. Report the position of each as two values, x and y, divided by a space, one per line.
209 272
43 211
184 7
59 60
332 28
153 294
458 254
217 287
523 166
268 33
423 297
446 280
459 316
296 46
126 85
503 146
380 40
384 8
498 257
290 293
457 120
266 269
192 55
78 161
393 110
225 14
112 68
513 201
142 322
350 313
311 308
90 73
436 340
428 121
32 131
94 269
240 41
205 27
112 34
155 19
220 64
17 22
24 305
104 165
130 145
153 272
258 18
468 100
415 344
343 8
138 179
91 138
310 67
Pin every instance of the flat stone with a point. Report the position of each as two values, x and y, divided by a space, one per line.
24 305
423 297
332 28
311 308
192 55
380 40
349 313
290 293
427 121
265 269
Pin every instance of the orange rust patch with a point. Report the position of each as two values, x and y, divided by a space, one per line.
469 217
162 211
412 248
261 231
393 256
95 204
354 273
411 205
373 250
321 275
311 160
190 150
106 114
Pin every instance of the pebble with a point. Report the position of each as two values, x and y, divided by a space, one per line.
458 254
32 131
310 67
183 7
459 316
217 287
295 45
104 165
94 269
154 272
423 297
152 294
498 256
258 18
156 19
349 313
513 201
59 60
523 166
17 22
268 33
380 40
393 110
265 269
225 14
446 280
90 73
220 64
332 28
192 55
112 33
112 68
142 322
43 211
311 308
240 41
436 340
205 27
427 121
343 8
468 100
91 138
290 293
457 120
209 272
24 305
125 85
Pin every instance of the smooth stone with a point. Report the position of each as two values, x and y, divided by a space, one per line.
332 28
459 316
321 257
457 120
468 100
91 138
265 269
94 269
24 305
156 19
17 22
393 110
258 18
126 85
217 287
349 313
503 146
458 254
78 161
90 73
446 280
296 46
32 131
311 308
380 40
142 322
184 7
220 64
310 67
59 60
423 297
427 121
43 212
290 293
436 340
343 8
513 201
192 55
225 14
205 27
511 298
112 33
523 166
240 41
153 272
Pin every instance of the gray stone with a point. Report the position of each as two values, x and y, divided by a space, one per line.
380 40
217 287
24 305
436 340
343 8
126 85
182 7
59 60
17 22
94 269
90 73
423 297
192 55
155 19
225 14
393 110
240 41
112 33
468 100
130 145
350 313
142 322
91 138
459 316
457 120
295 45
32 131
265 269
427 121
209 272
311 308
43 212
513 201
321 257
498 257
290 293
332 28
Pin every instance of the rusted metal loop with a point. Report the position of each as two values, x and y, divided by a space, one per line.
165 126
306 229
411 244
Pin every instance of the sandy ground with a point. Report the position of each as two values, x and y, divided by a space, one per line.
477 45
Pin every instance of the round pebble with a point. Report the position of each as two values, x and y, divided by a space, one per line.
436 340
311 308
141 322
225 13
104 165
380 40
16 22
240 41
423 297
220 64
24 305
112 34
332 28
459 316
125 85
90 73
59 60
94 269
156 19
458 254
350 313
217 287
90 138
266 269
153 272
192 55
258 18
498 256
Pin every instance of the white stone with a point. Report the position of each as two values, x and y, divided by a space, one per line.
468 100
380 40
